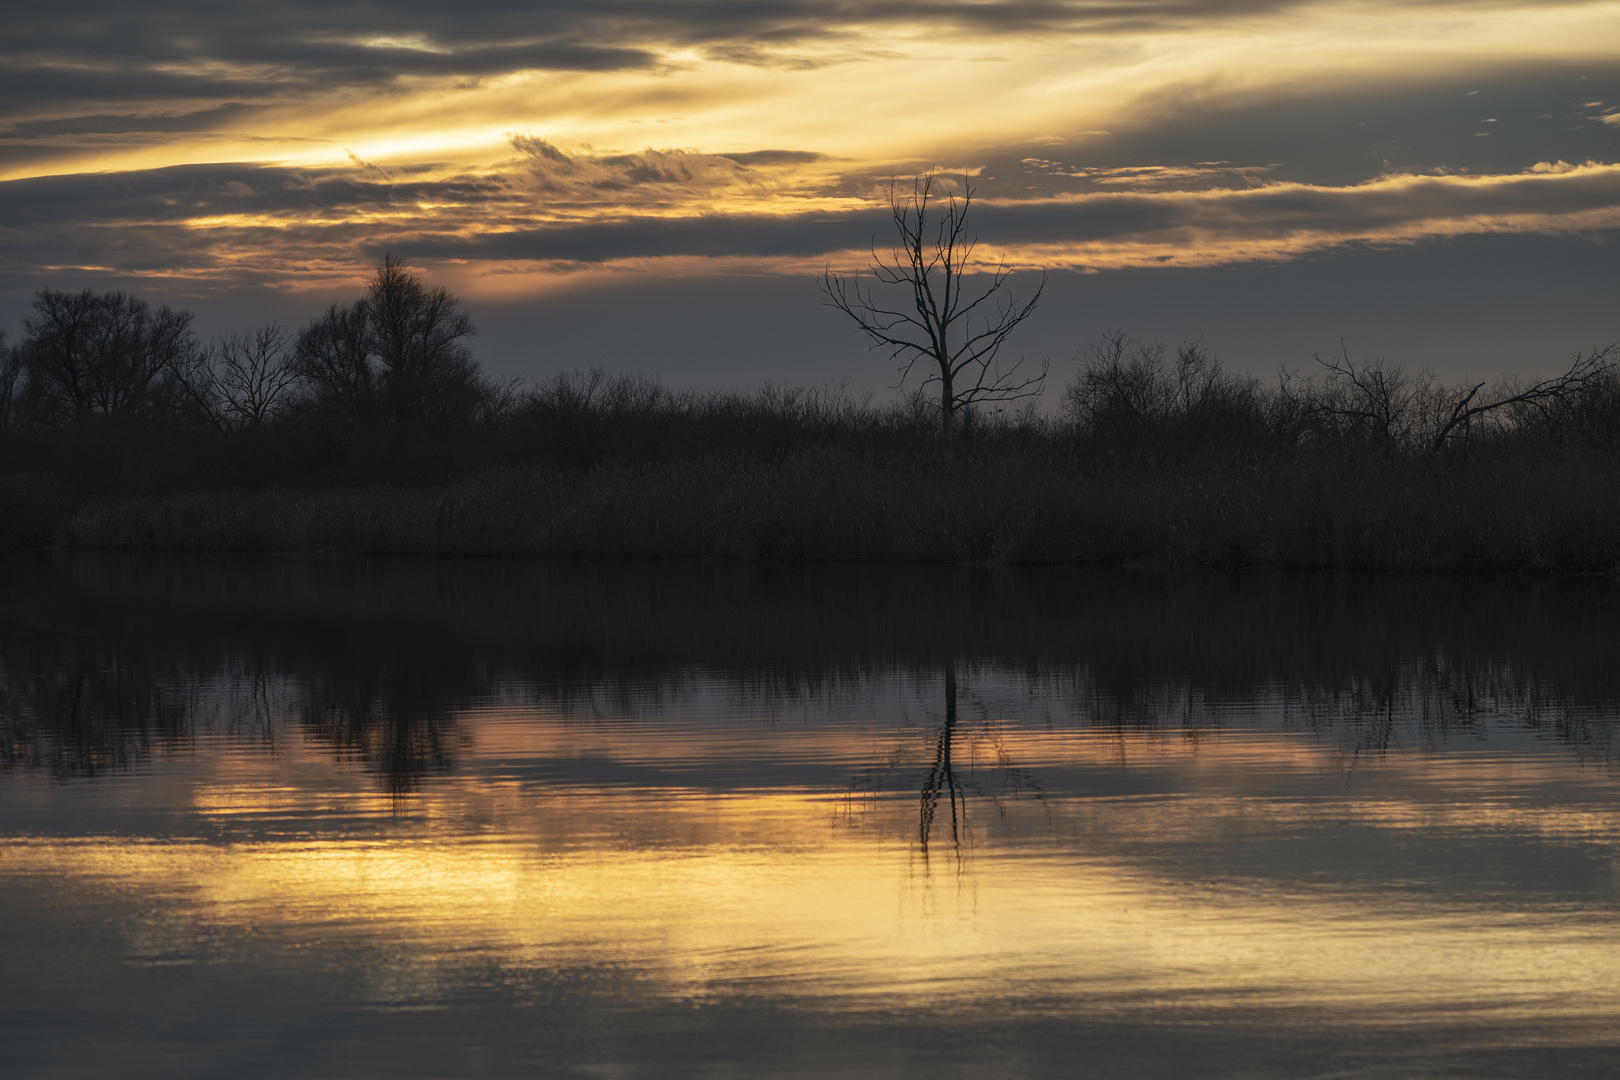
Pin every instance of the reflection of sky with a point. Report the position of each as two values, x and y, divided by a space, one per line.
702 854
191 149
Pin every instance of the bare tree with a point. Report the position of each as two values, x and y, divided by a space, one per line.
1121 383
1465 407
1371 398
956 334
242 379
12 385
101 354
396 354
416 335
254 372
1401 410
334 360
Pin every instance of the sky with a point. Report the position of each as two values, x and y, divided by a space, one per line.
654 185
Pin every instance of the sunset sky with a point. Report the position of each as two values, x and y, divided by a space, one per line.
653 184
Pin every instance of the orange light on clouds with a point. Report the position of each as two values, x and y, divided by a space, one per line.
430 161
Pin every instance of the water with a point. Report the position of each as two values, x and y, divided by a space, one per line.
295 817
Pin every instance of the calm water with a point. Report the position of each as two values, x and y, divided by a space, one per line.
304 818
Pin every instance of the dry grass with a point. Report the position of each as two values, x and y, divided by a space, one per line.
1551 511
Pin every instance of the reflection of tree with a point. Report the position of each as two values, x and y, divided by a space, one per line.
80 712
953 775
942 774
1430 704
80 715
107 661
404 741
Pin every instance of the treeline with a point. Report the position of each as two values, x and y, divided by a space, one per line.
106 395
373 428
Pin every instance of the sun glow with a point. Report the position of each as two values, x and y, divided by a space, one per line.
815 123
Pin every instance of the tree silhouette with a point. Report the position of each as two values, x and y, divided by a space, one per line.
89 354
242 379
956 333
394 356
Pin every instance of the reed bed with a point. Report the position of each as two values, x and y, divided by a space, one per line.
1552 513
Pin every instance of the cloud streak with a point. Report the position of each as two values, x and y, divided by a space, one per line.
291 225
189 52
177 51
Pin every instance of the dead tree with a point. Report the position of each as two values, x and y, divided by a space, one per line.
955 333
1465 407
1372 399
1416 412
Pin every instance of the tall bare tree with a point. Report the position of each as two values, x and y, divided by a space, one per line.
955 332
397 354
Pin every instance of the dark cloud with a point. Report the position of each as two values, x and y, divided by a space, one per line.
182 192
109 124
292 71
110 52
343 61
47 92
774 157
707 236
1338 135
1288 209
1403 209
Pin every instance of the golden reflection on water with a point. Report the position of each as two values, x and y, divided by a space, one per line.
1055 899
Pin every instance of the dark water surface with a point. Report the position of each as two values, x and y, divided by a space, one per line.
306 818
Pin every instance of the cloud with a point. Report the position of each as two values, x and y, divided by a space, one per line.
288 226
676 173
1281 221
1197 176
1335 133
775 157
330 132
184 50
1127 229
129 123
196 193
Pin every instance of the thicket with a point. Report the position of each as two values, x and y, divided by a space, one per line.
374 429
